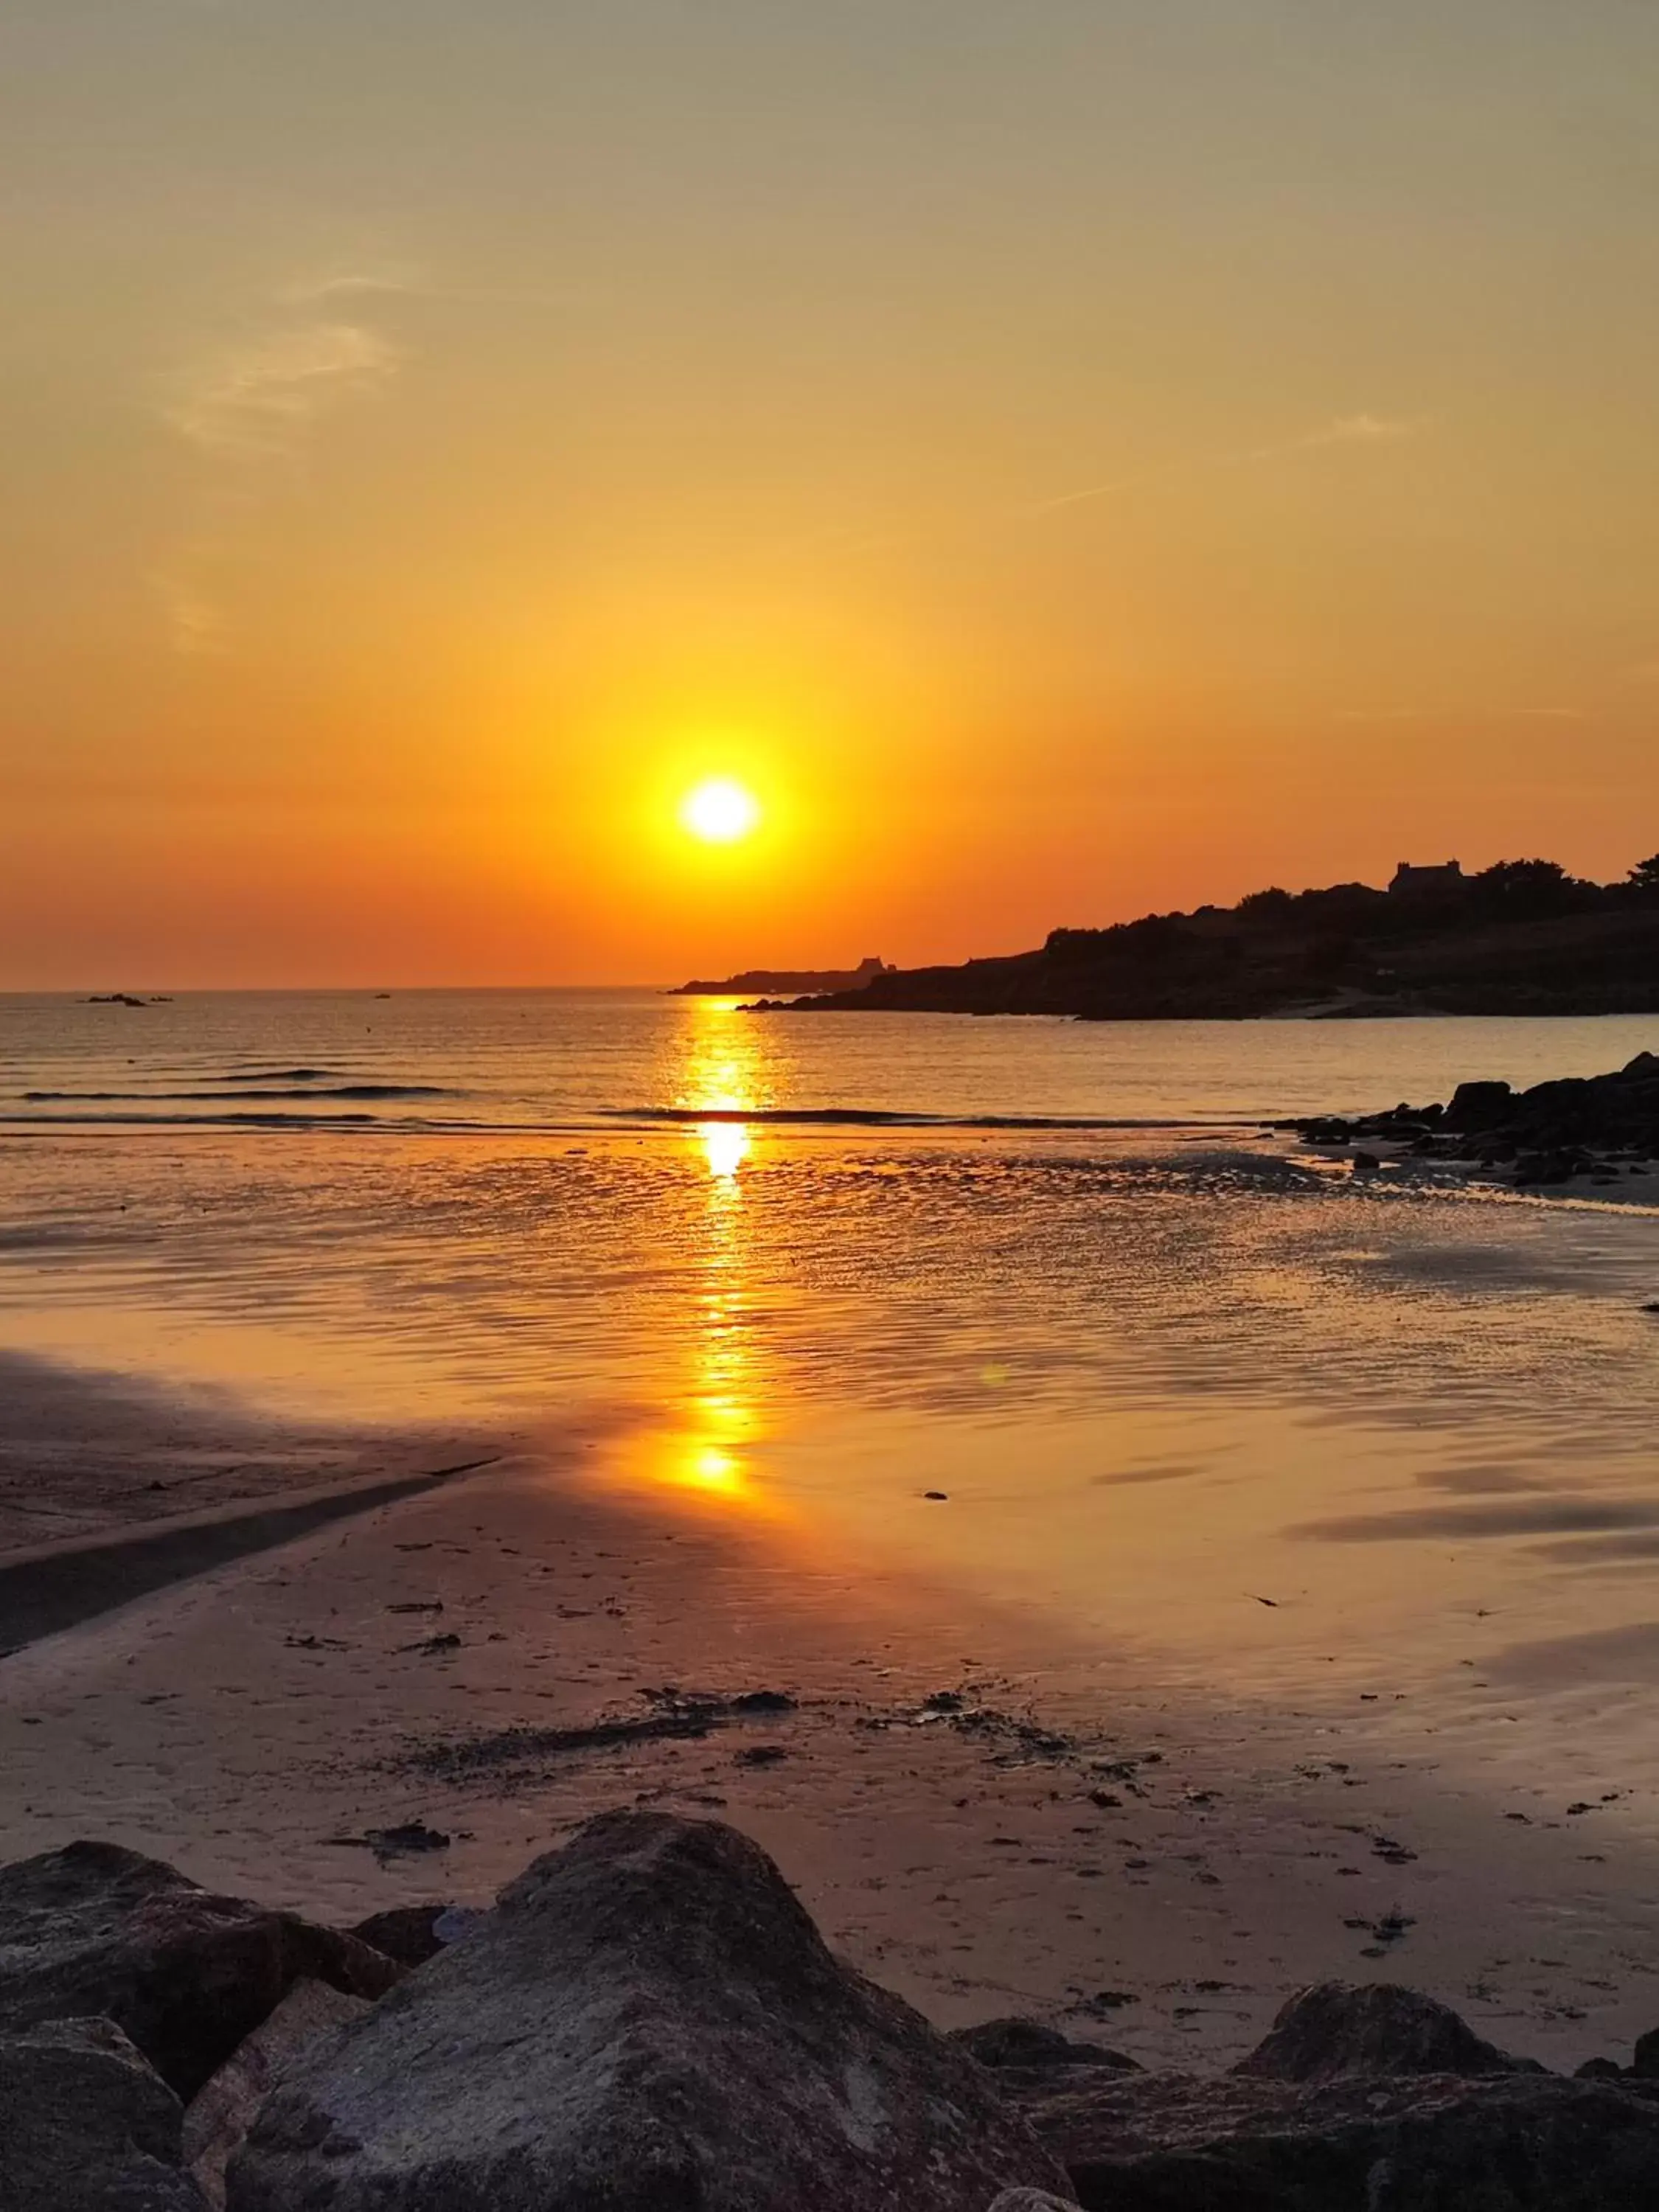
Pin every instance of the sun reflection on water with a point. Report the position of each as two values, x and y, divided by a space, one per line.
726 1145
711 1452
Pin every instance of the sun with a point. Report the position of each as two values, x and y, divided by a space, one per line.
720 812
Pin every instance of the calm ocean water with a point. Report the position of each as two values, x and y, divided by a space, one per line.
1159 1364
550 1060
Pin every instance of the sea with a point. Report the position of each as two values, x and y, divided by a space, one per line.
1038 1311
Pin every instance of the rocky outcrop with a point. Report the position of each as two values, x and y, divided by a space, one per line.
87 2126
97 1930
1374 2028
649 2020
219 2117
1424 2142
1546 1135
1370 2098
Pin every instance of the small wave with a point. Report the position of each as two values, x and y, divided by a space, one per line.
356 1090
282 1075
342 1090
130 1121
877 1117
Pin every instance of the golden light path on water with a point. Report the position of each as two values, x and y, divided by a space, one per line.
711 1455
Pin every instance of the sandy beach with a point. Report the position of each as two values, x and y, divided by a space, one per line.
988 1820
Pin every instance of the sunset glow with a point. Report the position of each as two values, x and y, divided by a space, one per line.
584 515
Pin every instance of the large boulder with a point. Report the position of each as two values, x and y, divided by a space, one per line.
221 2114
87 2126
1478 1106
1375 2028
94 1929
1424 2142
649 2022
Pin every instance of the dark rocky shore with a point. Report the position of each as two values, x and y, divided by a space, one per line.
648 2022
1605 1127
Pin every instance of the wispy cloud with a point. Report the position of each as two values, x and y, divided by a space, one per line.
1351 430
1454 714
320 286
195 621
1344 430
244 407
260 397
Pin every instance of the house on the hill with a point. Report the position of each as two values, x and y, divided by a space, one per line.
1410 881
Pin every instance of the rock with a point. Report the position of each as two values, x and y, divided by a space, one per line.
1645 2062
998 2043
1598 2069
1553 1167
87 2126
1366 1163
1377 2028
649 2020
1424 2142
1478 1106
1033 2200
408 1933
94 1929
221 2114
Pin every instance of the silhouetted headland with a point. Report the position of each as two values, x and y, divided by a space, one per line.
789 979
1523 937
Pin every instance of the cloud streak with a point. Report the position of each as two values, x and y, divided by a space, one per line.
1345 431
260 398
1453 713
244 409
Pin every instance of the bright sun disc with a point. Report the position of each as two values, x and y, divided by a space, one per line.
720 812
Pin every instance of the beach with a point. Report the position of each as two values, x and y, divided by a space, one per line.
983 1836
1120 1574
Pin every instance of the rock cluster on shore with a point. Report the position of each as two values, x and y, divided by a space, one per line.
648 2022
1599 1125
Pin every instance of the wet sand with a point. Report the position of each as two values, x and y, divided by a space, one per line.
88 1456
43 1593
982 1815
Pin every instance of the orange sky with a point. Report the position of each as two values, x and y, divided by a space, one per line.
1070 460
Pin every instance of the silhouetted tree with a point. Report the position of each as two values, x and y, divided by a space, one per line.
1518 891
1644 877
1271 905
